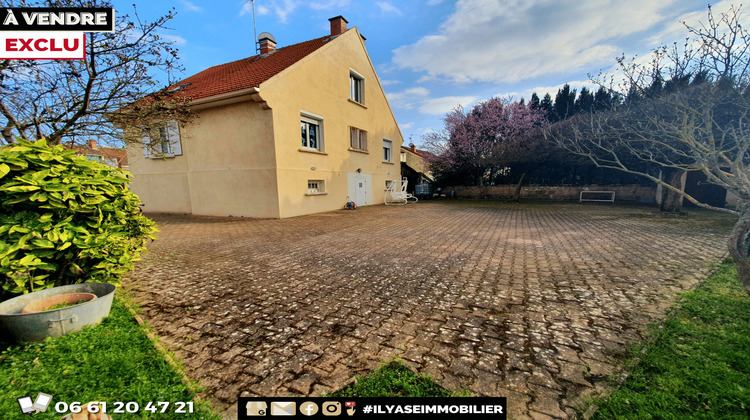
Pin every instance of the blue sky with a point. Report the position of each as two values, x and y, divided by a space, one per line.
433 55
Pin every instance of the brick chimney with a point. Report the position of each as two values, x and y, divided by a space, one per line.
413 148
338 25
92 144
267 43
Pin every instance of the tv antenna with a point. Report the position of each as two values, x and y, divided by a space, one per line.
255 29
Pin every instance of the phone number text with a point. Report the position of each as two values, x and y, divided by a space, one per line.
118 407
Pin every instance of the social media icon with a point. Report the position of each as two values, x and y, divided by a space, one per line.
308 408
350 404
256 408
331 408
283 408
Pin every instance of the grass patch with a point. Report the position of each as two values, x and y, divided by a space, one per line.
393 379
698 366
113 361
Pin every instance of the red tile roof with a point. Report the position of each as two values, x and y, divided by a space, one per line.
424 154
120 156
246 73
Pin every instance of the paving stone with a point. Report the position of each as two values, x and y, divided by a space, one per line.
530 301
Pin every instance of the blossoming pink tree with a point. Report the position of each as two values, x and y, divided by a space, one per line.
476 146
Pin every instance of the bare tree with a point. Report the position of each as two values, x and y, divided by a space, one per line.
80 99
686 110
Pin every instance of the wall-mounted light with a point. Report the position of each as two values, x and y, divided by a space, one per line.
359 170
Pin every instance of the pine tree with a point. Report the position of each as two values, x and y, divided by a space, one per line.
548 108
585 101
534 102
565 102
603 99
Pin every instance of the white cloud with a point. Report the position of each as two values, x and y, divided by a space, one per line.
191 7
676 32
504 41
385 82
440 106
247 9
419 98
409 98
406 126
552 90
174 39
387 7
282 9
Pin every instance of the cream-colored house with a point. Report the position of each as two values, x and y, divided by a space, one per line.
291 131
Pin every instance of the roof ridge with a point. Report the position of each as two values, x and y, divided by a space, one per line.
246 72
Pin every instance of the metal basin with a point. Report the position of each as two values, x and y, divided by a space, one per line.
25 328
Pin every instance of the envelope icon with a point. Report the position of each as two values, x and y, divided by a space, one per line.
283 408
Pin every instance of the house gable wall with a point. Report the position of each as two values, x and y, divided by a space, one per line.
227 166
319 84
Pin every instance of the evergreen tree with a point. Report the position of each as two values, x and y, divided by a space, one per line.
548 108
585 101
603 99
534 102
565 102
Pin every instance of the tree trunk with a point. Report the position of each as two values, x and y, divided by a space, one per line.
738 248
517 194
482 189
670 200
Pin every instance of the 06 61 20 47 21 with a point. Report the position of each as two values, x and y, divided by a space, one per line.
120 407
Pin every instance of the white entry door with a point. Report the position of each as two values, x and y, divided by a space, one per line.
359 187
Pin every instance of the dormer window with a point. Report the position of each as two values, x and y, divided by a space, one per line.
356 87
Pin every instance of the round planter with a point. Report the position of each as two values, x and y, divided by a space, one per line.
68 299
31 327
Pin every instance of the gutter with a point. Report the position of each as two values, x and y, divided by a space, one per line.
252 93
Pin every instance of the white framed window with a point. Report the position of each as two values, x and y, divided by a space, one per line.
316 186
311 129
356 87
357 138
162 141
387 150
403 156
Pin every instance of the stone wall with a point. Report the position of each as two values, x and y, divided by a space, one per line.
632 193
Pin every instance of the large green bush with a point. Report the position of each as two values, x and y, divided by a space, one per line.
65 219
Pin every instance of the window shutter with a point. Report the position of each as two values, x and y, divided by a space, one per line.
173 130
146 140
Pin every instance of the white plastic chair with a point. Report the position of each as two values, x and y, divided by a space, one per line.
398 196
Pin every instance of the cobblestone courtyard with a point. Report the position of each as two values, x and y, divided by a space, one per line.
534 302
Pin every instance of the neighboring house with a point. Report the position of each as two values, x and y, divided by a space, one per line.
291 131
112 156
415 167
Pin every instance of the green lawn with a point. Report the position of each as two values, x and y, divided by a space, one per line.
112 362
698 366
395 380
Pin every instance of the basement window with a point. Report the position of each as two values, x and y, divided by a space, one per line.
316 187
